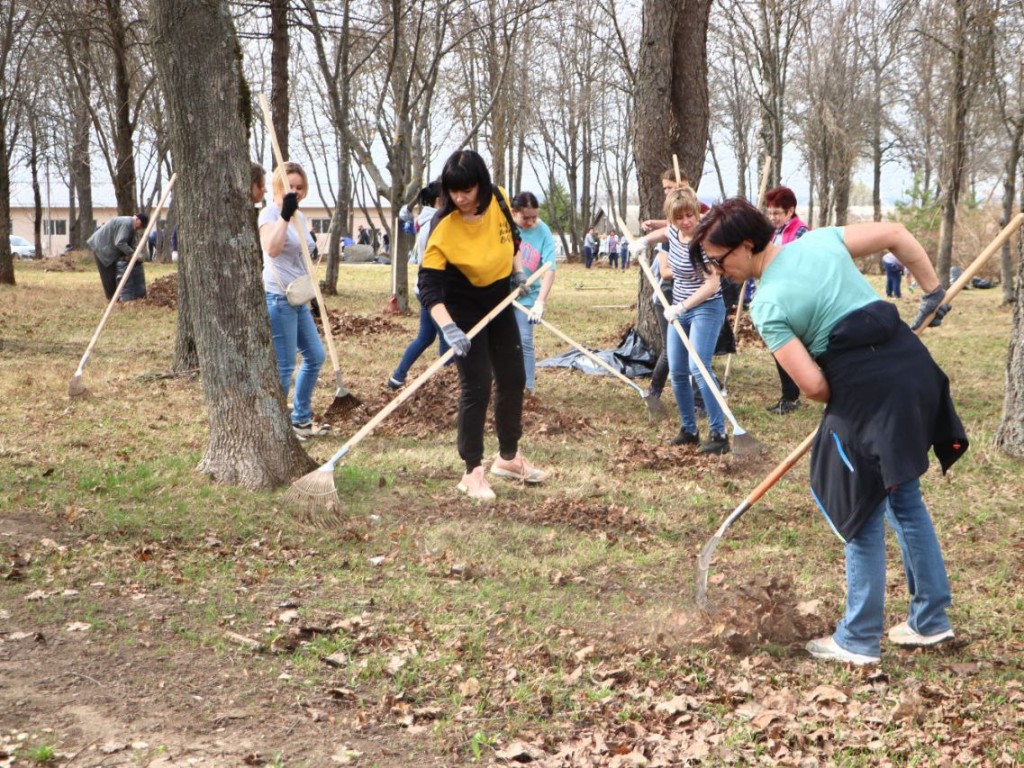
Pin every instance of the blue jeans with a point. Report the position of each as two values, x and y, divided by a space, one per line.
529 354
860 631
702 325
293 330
893 278
427 333
588 256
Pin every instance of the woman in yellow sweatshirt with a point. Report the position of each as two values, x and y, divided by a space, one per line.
470 265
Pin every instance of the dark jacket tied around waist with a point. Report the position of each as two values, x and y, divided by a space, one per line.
889 405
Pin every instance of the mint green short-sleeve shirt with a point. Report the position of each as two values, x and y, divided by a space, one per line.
808 287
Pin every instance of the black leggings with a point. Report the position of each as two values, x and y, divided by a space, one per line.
496 354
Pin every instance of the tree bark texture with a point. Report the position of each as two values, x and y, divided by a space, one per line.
124 141
1010 434
279 48
671 112
6 259
199 64
1009 193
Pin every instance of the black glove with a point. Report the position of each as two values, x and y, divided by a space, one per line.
457 340
289 206
518 282
939 314
929 303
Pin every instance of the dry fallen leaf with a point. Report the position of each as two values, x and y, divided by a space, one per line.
469 687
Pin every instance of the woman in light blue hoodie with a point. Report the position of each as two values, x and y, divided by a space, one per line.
429 198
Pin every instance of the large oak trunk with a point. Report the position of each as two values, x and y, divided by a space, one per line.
1010 435
671 113
199 66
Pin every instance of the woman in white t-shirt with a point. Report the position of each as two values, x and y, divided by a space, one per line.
291 328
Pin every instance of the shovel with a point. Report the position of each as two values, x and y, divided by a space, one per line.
343 399
654 406
704 560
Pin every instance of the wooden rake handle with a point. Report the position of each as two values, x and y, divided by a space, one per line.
583 350
406 393
279 159
154 216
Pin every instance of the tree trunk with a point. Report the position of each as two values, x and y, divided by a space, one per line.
1009 193
671 112
1010 434
251 440
6 259
83 224
279 47
37 194
124 142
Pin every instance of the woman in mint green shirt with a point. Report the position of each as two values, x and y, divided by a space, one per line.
887 405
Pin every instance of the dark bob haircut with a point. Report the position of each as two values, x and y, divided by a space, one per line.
524 200
729 223
780 197
464 170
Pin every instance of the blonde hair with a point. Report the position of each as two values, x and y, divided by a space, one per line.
681 200
280 179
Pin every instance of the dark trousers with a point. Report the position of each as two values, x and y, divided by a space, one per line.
893 278
660 373
108 276
135 285
496 355
790 391
588 256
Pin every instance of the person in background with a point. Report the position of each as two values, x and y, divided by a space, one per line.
114 243
470 265
698 306
602 247
257 184
780 204
429 199
153 242
893 275
363 238
613 250
624 252
537 248
291 328
589 248
888 405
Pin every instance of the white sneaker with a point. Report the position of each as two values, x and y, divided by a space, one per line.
517 469
902 634
474 484
827 648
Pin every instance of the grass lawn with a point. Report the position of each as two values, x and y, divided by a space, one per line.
149 617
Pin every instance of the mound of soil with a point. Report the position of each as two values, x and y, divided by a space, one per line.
434 407
636 453
163 292
752 611
65 263
347 324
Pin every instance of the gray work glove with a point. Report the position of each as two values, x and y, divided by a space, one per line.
457 340
518 281
930 302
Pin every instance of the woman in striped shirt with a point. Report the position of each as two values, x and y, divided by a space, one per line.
698 306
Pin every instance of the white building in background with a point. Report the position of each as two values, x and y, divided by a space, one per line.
56 224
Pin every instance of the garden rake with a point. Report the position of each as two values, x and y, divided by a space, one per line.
743 444
314 494
704 559
655 409
343 399
76 388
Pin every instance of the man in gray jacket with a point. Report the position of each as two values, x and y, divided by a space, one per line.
114 242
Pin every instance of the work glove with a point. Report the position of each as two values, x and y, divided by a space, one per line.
518 281
927 304
673 311
638 246
289 206
457 340
536 313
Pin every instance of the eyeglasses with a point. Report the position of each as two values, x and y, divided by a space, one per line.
718 262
